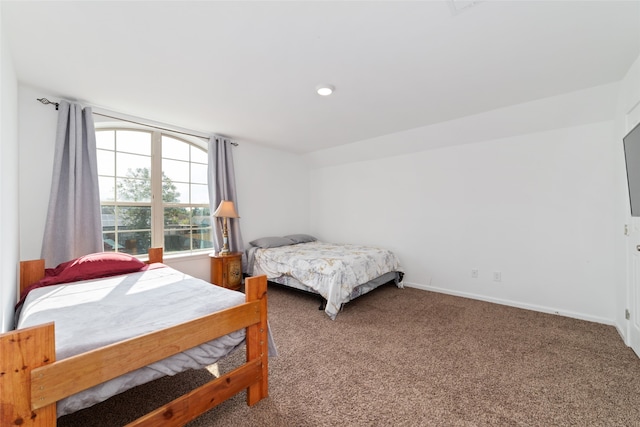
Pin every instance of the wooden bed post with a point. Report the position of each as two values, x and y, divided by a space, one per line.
155 255
30 272
22 351
257 338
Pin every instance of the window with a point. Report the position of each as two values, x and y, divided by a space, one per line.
153 192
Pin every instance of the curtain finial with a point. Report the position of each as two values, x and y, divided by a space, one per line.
45 101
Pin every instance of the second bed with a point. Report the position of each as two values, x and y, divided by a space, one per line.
337 272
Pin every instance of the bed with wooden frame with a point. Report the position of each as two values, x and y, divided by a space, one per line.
32 381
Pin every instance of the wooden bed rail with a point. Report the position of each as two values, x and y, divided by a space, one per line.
31 381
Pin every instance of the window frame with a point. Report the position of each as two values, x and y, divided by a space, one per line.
156 203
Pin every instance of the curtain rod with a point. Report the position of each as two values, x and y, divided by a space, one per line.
45 101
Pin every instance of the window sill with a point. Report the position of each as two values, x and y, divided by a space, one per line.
190 256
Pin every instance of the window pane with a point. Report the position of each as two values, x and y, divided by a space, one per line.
198 173
108 217
199 155
106 162
134 190
105 139
174 149
109 242
133 217
199 193
177 224
175 170
201 238
132 165
179 193
134 142
176 240
201 217
170 193
107 186
187 239
177 217
134 243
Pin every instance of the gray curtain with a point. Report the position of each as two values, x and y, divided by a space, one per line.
74 224
222 186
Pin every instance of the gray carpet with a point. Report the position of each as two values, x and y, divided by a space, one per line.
405 357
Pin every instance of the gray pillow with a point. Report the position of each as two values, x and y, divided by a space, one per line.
300 238
271 242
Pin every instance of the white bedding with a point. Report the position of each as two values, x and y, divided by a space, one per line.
331 270
91 314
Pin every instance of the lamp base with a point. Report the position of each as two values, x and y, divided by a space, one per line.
225 239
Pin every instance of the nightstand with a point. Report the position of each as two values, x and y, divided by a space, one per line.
226 270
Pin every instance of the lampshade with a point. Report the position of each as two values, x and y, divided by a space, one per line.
226 210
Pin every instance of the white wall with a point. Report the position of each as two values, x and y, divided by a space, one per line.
273 192
9 248
272 185
37 132
540 207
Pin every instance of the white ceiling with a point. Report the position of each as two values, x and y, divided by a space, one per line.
248 70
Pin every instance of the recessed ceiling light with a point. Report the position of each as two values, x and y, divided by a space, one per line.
325 90
458 6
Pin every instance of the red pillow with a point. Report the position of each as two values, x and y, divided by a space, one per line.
93 266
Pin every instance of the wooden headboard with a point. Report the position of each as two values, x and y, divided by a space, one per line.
33 270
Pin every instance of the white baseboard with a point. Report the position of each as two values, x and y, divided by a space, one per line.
516 304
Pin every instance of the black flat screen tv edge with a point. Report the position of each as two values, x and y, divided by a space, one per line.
631 144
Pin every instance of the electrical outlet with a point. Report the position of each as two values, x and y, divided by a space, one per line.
497 276
474 273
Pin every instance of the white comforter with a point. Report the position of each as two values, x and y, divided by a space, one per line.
332 270
92 314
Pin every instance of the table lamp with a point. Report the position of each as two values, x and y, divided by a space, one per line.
225 210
